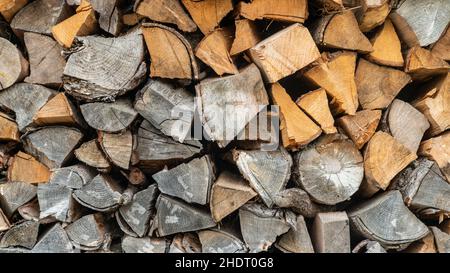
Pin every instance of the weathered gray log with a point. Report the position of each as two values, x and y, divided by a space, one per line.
22 235
386 219
261 226
117 147
330 170
331 233
442 240
190 181
53 146
56 201
110 16
220 241
268 172
4 222
25 100
104 68
54 240
73 177
168 108
227 104
175 216
297 239
368 246
91 154
185 243
14 66
15 194
88 232
143 245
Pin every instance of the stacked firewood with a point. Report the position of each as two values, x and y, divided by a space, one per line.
102 103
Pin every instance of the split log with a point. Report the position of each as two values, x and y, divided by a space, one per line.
25 168
108 74
340 31
227 104
283 10
246 36
56 202
30 212
88 232
422 64
53 146
25 100
40 16
117 147
58 111
424 245
330 170
143 245
9 8
22 235
220 241
335 73
360 127
387 49
315 104
14 66
10 131
54 240
261 226
297 129
331 233
267 171
15 194
368 246
229 193
4 222
185 243
406 124
441 48
190 181
378 85
168 108
372 13
131 19
102 193
166 12
207 14
175 216
437 149
297 239
109 15
328 6
262 132
276 60
136 176
178 63
384 158
386 220
90 154
442 240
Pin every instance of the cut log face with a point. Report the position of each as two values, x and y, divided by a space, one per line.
360 127
118 148
15 194
283 10
368 246
378 85
422 64
14 66
437 149
131 19
30 212
267 171
55 240
58 111
331 233
189 181
168 108
442 240
424 245
4 222
10 131
90 154
108 74
220 241
25 168
56 201
208 14
297 239
441 48
174 216
386 219
372 13
109 15
331 170
185 243
73 177
277 61
227 104
143 245
229 193
336 74
21 235
53 146
246 36
9 8
25 100
88 232
387 49
166 12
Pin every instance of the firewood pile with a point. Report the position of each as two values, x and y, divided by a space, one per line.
158 126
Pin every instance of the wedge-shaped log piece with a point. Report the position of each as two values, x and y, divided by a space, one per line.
175 216
360 127
387 49
437 149
424 245
331 233
441 48
14 66
22 235
4 222
103 193
117 147
53 146
297 239
88 232
442 240
283 10
185 243
331 170
422 64
168 108
108 74
220 241
109 17
372 13
386 219
190 181
378 85
9 8
58 110
336 74
73 177
261 226
207 14
246 36
143 245
297 129
229 193
276 60
91 154
10 131
227 104
56 201
30 212
15 194
54 240
267 171
368 246
25 100
178 63
315 104
25 168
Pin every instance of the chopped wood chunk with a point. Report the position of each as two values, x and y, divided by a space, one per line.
369 246
297 239
109 15
117 147
424 245
185 243
15 194
282 10
88 232
73 177
22 235
331 233
422 64
91 154
25 168
245 37
9 8
9 131
441 48
143 245
387 49
220 241
372 13
442 240
437 149
55 240
14 66
55 201
207 14
360 127
58 110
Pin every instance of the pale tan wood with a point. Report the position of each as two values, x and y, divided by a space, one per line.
360 127
246 36
404 31
442 47
13 66
424 245
207 14
438 149
90 154
328 6
131 19
214 50
422 64
297 129
372 13
315 104
9 131
4 222
336 74
58 110
8 8
25 168
387 49
276 56
281 10
117 147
